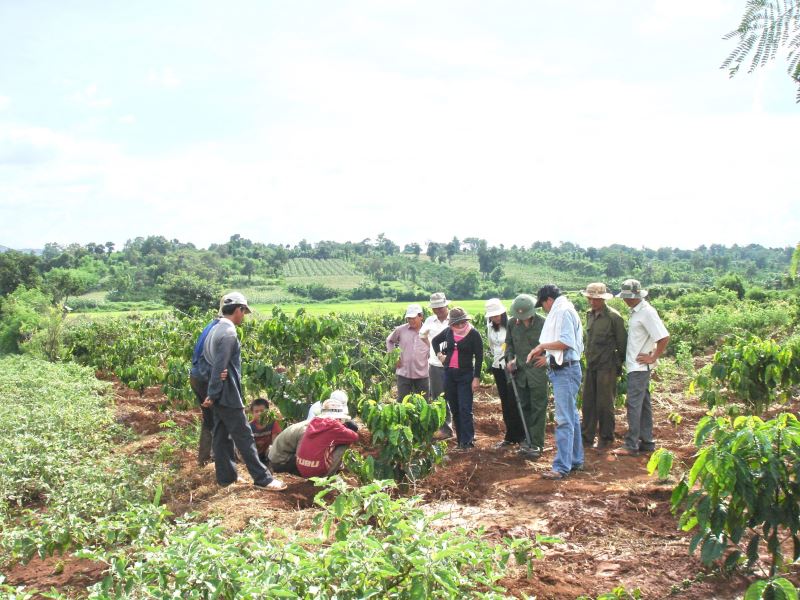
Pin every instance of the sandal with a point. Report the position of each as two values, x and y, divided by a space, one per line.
553 475
276 485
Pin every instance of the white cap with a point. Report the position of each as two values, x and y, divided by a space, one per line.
439 300
413 310
494 307
234 298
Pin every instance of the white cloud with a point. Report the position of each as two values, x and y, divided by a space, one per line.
666 17
90 97
127 119
5 102
163 77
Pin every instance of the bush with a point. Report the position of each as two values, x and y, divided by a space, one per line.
22 314
369 546
743 490
757 372
314 291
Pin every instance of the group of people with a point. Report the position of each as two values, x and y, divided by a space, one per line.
444 354
311 448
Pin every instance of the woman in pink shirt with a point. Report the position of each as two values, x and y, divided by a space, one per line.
460 348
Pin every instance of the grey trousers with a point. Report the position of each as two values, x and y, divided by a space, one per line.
640 411
436 376
406 386
232 429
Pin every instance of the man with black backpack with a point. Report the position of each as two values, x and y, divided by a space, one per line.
198 380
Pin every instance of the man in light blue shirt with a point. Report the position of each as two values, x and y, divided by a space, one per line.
560 347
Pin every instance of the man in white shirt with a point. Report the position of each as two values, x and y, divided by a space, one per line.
432 326
647 340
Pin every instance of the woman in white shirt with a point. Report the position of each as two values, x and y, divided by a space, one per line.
496 319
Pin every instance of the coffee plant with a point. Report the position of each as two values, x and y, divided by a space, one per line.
403 433
369 545
755 371
743 491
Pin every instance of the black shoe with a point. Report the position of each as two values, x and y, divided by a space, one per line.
647 447
579 467
466 446
529 453
505 444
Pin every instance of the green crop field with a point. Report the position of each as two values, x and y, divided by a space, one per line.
313 267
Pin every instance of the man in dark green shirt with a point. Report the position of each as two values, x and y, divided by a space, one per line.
606 341
522 335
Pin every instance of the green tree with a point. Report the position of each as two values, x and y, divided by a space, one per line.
21 315
63 283
766 27
185 292
18 268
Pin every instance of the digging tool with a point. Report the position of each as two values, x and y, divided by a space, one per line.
529 451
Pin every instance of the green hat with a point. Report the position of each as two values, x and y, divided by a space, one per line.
523 307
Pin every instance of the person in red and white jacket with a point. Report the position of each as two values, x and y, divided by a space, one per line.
327 437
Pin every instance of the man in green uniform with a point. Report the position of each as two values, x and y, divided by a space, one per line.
606 340
522 335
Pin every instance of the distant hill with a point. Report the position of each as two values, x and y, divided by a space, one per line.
37 252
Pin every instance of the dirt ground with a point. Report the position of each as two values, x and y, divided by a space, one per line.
613 519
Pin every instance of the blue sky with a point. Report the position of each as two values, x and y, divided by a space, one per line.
589 122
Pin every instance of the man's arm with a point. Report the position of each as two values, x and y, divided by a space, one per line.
649 359
392 339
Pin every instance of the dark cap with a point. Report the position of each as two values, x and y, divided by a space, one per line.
547 291
457 315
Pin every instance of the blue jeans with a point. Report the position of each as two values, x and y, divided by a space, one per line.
569 444
458 393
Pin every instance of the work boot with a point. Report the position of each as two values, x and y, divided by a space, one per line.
204 447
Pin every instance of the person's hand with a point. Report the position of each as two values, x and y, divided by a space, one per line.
441 357
646 359
512 366
534 353
207 403
541 361
224 375
398 363
475 383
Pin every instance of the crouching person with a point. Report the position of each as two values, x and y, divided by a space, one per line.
265 429
325 440
282 453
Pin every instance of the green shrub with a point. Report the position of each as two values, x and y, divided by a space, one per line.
369 546
743 490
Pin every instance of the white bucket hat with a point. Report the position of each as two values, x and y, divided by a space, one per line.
413 310
439 300
494 307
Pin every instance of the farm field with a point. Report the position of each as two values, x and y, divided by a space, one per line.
613 520
119 510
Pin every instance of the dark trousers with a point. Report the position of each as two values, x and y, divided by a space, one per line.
458 393
290 466
231 429
534 406
514 430
200 389
406 386
599 391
